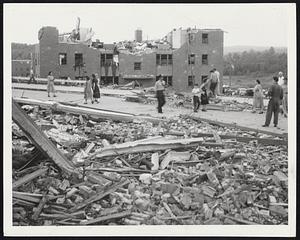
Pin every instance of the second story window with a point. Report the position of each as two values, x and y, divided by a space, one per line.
205 38
191 80
191 59
164 59
137 66
62 59
78 59
204 59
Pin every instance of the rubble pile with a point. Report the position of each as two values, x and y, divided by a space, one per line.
139 173
139 48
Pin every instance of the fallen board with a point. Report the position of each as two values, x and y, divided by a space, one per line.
33 132
154 145
92 112
233 125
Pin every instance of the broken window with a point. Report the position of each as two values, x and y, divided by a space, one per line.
164 59
204 59
191 80
102 58
137 66
78 59
191 59
169 81
157 59
204 78
62 59
205 38
170 59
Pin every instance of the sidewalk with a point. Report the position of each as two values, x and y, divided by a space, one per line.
246 119
71 89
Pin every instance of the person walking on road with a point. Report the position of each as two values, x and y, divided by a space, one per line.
88 91
285 98
159 89
276 95
50 86
196 95
95 87
31 77
258 98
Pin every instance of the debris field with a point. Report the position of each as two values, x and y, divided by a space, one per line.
74 170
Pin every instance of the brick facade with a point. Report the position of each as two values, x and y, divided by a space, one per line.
205 48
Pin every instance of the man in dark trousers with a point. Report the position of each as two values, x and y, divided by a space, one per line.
159 89
276 95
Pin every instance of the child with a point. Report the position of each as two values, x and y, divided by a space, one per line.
196 93
204 97
88 91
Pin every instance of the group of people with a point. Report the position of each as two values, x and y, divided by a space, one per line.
92 89
278 94
209 88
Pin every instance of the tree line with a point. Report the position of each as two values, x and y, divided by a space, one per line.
255 63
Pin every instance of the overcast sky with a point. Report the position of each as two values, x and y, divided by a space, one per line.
245 24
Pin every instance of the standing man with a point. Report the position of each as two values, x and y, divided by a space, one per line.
159 89
196 97
276 95
218 78
214 80
31 79
280 79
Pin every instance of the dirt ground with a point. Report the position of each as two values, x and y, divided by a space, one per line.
244 118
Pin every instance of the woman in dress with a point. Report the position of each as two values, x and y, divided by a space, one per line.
258 99
50 86
95 87
88 91
285 97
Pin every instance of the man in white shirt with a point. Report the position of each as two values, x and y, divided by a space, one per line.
280 79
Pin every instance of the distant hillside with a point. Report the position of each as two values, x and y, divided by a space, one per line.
20 51
233 49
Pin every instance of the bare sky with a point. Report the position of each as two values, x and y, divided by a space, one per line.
245 24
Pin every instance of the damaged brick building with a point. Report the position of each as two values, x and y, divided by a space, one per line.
183 57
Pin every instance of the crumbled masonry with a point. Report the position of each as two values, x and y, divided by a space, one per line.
175 172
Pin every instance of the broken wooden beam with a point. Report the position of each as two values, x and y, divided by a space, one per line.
29 177
99 196
108 217
155 145
34 133
40 207
234 125
94 113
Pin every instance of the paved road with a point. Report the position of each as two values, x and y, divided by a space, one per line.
246 119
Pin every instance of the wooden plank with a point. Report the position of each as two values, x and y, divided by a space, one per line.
29 177
40 207
108 217
233 125
33 132
92 112
97 197
155 145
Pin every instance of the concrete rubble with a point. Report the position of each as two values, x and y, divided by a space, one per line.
174 172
